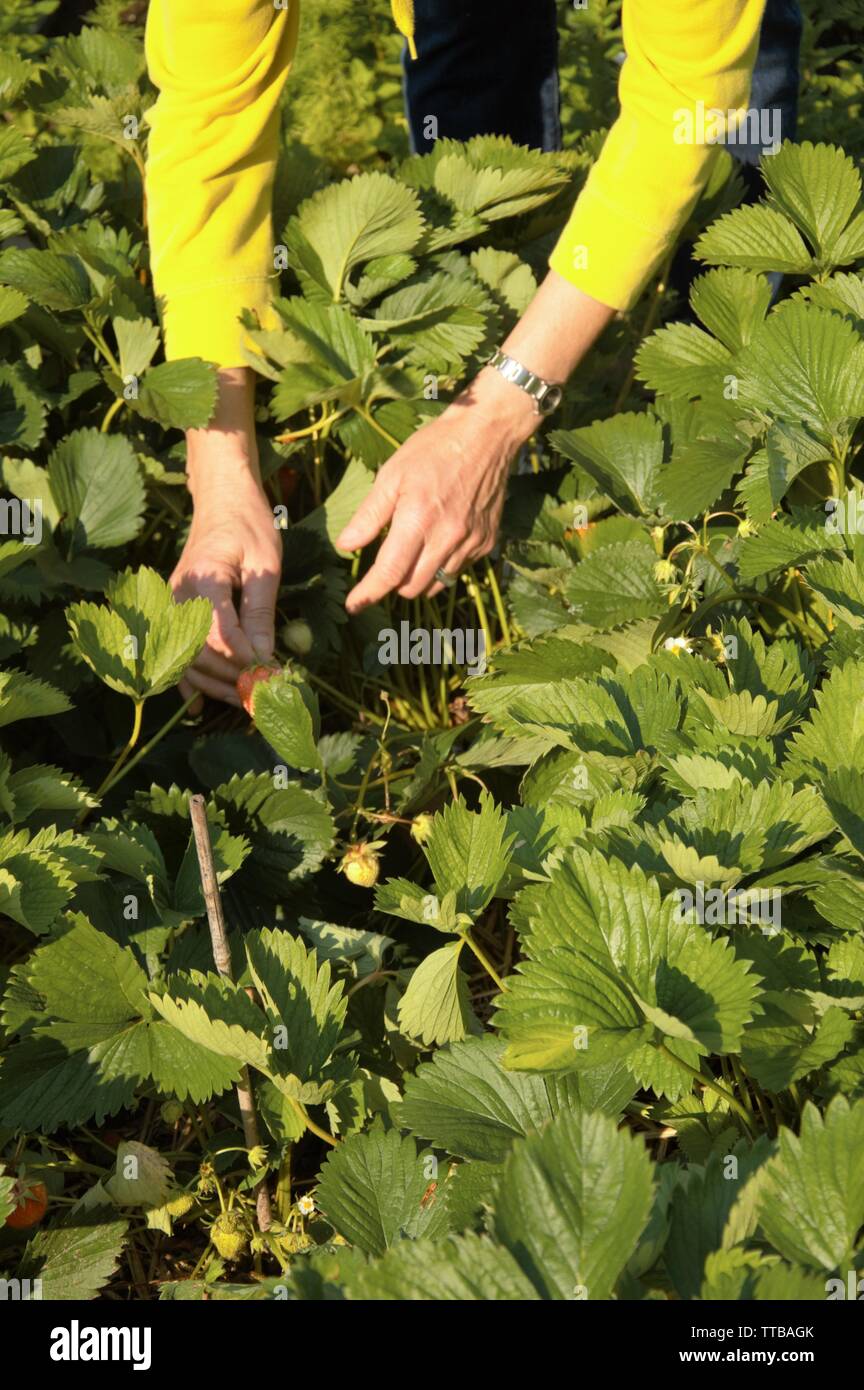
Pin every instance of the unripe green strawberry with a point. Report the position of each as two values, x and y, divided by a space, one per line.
171 1111
360 864
294 1241
206 1180
178 1204
421 828
230 1236
297 636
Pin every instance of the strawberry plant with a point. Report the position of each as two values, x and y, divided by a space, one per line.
565 942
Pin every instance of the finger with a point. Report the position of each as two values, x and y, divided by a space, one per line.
183 587
208 661
445 549
226 635
438 587
396 559
187 691
372 515
217 690
257 611
456 564
213 664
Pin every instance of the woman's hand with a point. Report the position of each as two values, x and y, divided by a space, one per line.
233 544
441 493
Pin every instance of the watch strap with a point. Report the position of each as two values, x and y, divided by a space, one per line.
546 395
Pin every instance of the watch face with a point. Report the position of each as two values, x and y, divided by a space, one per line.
551 400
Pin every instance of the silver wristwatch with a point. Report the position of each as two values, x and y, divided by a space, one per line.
546 395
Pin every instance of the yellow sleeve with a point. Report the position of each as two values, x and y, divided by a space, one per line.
685 59
214 132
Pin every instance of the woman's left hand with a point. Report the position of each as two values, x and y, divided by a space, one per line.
441 493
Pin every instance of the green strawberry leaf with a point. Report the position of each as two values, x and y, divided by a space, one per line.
572 1204
179 395
469 852
137 340
371 1189
608 967
348 224
436 1007
286 714
464 1102
305 1011
76 1257
143 642
812 1206
53 280
97 487
466 1268
25 697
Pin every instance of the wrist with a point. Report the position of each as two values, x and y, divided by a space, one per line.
507 409
224 454
214 469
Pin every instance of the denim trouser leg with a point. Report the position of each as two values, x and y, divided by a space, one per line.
774 90
485 67
491 67
775 77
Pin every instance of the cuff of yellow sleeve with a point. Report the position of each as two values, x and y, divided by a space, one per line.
605 253
204 321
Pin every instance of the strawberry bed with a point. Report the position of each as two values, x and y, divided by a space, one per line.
569 945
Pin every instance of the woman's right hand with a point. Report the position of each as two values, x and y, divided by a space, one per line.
233 544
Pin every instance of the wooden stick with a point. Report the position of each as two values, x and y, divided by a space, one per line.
222 958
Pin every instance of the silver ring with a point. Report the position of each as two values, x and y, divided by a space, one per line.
448 580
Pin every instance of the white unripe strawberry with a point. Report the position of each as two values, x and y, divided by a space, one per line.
297 636
360 863
229 1234
421 827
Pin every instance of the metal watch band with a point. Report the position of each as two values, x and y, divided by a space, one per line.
546 395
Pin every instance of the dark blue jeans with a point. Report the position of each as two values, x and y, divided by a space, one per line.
490 67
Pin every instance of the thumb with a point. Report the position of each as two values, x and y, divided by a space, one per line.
257 611
372 515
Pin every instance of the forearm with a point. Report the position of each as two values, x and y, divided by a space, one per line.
223 457
560 326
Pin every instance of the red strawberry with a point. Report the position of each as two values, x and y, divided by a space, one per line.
247 681
287 480
31 1204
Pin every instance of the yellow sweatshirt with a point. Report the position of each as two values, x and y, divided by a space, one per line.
215 127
